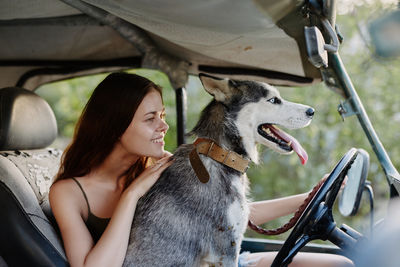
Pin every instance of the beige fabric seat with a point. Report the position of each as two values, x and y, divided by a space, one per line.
28 236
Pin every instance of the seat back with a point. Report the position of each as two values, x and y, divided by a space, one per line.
28 235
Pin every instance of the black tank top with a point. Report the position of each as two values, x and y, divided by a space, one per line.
95 225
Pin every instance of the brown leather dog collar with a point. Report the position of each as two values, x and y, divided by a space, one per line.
211 149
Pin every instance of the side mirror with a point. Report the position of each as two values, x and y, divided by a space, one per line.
350 198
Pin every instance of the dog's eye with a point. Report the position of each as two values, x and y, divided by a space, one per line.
274 100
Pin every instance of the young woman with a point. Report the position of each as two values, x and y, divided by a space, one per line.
116 155
107 168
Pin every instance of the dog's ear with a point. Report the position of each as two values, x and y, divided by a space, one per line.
219 88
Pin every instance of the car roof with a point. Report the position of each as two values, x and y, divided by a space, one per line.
45 40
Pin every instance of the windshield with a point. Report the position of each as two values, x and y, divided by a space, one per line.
326 139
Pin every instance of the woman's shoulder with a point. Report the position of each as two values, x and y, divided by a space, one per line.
63 184
65 190
67 205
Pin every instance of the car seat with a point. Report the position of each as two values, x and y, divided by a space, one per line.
28 235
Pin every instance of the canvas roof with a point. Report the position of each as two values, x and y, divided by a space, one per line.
43 40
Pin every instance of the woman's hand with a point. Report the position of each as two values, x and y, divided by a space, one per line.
149 176
343 183
167 154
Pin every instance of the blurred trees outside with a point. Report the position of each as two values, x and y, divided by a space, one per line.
326 139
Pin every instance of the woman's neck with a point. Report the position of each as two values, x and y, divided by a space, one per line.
115 165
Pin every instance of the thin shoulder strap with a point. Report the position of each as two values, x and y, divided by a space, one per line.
83 192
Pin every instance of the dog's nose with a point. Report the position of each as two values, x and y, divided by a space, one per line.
310 112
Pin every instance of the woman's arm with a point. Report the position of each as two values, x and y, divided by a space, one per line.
268 210
111 248
78 243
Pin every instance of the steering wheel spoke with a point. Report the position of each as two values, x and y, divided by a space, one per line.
301 242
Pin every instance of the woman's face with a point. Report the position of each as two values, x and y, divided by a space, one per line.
145 134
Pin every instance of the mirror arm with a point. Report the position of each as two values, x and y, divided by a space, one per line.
370 192
334 47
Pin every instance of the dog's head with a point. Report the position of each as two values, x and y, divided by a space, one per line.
257 109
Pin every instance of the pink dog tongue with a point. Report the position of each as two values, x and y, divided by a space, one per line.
295 144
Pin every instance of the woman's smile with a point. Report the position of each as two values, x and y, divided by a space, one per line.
158 140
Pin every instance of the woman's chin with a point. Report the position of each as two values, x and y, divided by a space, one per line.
158 154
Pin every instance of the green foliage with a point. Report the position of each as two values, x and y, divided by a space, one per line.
67 99
325 140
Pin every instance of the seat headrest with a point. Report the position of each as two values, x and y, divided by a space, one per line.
26 120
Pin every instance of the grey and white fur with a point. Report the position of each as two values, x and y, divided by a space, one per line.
183 222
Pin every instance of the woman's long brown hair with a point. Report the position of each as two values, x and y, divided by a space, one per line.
104 119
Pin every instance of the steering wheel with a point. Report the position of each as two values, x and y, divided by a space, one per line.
316 222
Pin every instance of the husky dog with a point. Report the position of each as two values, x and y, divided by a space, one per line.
184 222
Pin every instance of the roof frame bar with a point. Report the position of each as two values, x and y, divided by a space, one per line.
176 69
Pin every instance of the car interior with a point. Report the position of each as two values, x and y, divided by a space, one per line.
27 166
279 42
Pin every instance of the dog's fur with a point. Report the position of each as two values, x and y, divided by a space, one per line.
183 222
